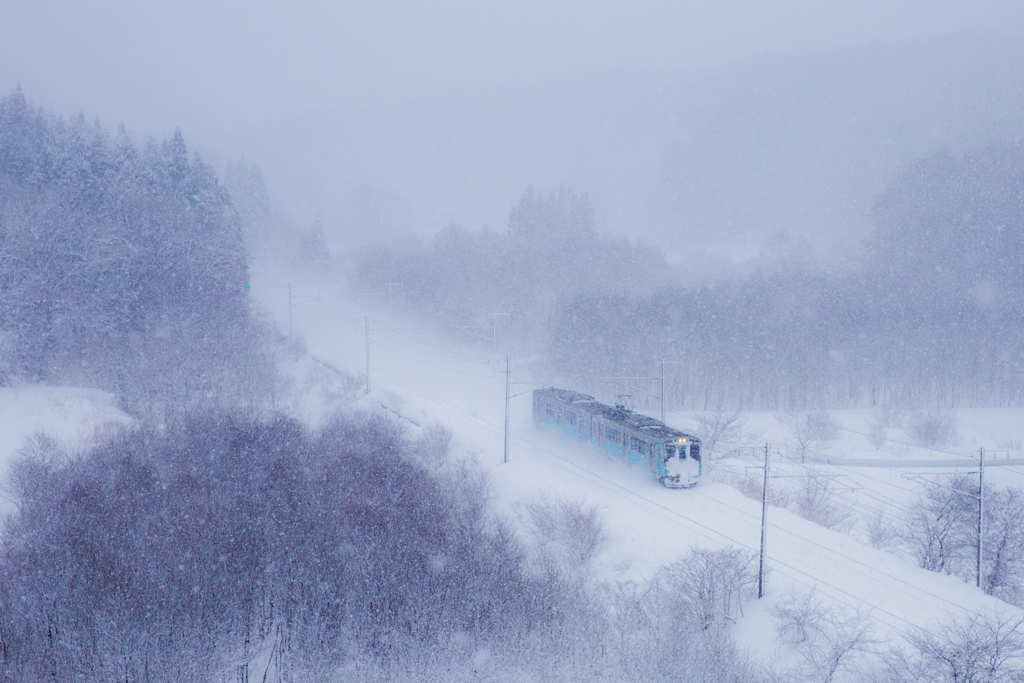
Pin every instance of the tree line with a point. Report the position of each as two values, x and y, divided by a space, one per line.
931 318
231 548
121 267
551 249
240 549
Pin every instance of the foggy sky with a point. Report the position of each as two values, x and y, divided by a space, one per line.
207 66
391 116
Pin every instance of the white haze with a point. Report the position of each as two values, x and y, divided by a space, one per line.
736 159
728 127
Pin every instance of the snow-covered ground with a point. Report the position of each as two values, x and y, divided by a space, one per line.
424 379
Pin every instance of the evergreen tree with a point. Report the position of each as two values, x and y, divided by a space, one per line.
119 268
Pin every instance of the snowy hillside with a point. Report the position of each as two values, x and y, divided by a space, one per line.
421 380
73 416
426 380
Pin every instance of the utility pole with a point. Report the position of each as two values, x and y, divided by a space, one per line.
479 335
508 397
663 391
366 323
289 311
390 286
662 378
980 495
981 508
494 331
764 523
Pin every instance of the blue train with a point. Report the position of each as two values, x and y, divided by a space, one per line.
674 457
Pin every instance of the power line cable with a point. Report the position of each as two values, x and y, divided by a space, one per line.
615 487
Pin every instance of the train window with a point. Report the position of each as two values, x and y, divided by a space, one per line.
638 445
670 450
695 450
612 434
570 417
549 409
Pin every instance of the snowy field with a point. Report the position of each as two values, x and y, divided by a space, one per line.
425 380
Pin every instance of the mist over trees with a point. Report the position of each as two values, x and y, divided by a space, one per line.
932 318
251 199
949 235
121 267
551 249
706 161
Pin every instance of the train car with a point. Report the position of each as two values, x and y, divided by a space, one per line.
672 456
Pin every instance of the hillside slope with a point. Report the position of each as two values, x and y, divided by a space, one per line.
425 380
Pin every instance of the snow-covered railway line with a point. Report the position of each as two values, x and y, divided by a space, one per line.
865 570
895 584
837 573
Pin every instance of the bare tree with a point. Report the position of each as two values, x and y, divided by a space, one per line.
796 615
1003 569
883 417
434 444
567 533
718 428
164 554
830 640
940 529
808 431
934 428
841 643
675 628
883 532
814 500
941 534
39 458
984 648
710 585
877 436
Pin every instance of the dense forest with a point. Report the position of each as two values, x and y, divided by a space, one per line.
933 315
225 543
122 268
224 548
